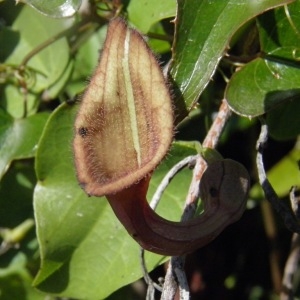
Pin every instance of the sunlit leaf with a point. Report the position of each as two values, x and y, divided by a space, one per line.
19 137
273 79
203 31
55 8
157 10
44 68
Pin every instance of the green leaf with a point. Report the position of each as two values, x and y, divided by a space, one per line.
87 58
266 82
81 241
55 8
157 10
203 31
15 281
51 61
260 86
19 137
16 190
58 86
158 45
283 122
17 103
277 30
29 30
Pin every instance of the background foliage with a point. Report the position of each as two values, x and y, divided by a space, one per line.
246 51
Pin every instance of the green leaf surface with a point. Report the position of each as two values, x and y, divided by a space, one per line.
157 10
203 31
16 190
55 8
262 85
15 281
278 29
51 61
266 82
29 30
19 137
158 45
54 90
87 58
82 243
16 102
283 121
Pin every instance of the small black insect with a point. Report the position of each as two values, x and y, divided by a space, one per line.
213 192
83 131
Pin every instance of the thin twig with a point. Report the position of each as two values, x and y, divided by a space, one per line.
176 266
176 274
290 269
146 274
270 194
150 283
175 277
81 26
290 217
170 285
210 141
292 263
188 161
295 201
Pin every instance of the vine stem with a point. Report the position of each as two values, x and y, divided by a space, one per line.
283 210
210 141
81 27
175 276
289 216
292 262
188 161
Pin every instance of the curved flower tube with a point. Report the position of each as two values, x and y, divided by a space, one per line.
224 187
